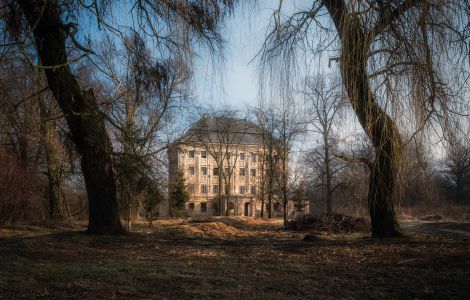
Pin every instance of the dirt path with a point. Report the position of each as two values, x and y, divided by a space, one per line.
458 231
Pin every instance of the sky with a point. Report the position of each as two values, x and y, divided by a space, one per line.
234 82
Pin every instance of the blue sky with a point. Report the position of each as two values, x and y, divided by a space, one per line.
234 82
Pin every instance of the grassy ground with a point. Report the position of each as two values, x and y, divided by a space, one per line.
231 258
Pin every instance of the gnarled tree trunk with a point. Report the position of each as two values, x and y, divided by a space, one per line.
81 113
52 165
378 126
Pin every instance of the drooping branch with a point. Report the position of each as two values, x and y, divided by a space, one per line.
391 16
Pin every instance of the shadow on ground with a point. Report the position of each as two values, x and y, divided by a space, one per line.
233 258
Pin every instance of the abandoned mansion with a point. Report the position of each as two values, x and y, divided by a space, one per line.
221 159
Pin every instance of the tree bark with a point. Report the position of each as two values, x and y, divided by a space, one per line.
378 126
328 192
52 165
270 178
221 187
262 204
81 113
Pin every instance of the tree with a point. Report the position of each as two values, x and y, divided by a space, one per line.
281 124
179 194
153 196
324 100
173 26
457 168
55 164
287 130
145 93
30 126
390 58
265 119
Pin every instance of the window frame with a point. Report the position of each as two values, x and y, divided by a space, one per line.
252 189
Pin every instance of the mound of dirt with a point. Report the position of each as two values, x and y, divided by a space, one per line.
198 220
211 228
331 223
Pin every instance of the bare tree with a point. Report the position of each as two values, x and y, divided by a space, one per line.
391 58
144 93
325 101
267 121
289 125
173 26
457 167
30 127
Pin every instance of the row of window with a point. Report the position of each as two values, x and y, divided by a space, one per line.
203 206
215 171
215 189
215 206
228 155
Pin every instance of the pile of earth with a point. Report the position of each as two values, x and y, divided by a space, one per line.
210 228
335 223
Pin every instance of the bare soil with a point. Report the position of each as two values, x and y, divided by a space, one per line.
234 258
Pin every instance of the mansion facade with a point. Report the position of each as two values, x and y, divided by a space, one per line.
221 158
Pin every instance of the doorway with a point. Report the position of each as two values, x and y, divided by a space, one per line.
247 209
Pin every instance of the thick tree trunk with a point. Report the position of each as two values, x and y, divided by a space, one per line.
55 201
54 179
52 165
378 126
81 113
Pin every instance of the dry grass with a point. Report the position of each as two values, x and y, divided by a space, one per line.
448 211
230 258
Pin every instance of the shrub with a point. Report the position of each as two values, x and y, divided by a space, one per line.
21 191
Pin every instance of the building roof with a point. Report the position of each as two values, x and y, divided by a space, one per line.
226 130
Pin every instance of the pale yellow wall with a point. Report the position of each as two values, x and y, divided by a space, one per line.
182 161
